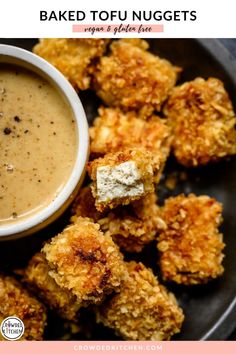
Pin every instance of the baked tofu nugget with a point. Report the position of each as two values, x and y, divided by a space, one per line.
17 301
131 227
121 177
135 225
191 246
134 79
203 122
36 276
85 261
75 58
114 130
143 310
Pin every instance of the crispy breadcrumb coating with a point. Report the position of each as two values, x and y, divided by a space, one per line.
17 301
143 310
85 261
114 130
203 122
36 276
134 79
75 58
121 177
84 206
131 227
191 246
135 225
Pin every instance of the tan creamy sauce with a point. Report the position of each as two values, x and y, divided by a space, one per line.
38 143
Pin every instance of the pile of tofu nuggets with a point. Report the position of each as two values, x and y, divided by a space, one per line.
144 117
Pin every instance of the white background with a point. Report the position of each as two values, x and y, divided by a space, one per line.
21 18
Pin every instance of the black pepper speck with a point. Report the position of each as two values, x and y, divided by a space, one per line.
17 119
7 131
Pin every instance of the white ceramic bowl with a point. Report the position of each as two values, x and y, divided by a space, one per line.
26 59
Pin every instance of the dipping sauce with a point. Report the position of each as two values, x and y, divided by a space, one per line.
38 143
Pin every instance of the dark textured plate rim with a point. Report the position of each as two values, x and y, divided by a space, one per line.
225 325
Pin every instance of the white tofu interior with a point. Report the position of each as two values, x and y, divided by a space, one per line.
119 181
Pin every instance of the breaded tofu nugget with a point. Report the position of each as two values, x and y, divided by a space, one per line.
131 226
135 225
191 245
36 276
121 177
85 262
17 301
133 78
75 58
114 130
143 310
203 122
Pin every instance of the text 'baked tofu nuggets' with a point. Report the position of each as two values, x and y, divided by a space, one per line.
17 301
114 130
37 277
132 78
75 58
131 226
191 245
143 310
85 261
203 122
121 177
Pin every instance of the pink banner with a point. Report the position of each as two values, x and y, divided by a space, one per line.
119 28
180 347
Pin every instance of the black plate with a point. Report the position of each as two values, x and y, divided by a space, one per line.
210 309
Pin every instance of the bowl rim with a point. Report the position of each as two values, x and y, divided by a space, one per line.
73 100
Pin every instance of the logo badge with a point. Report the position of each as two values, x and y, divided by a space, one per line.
12 328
